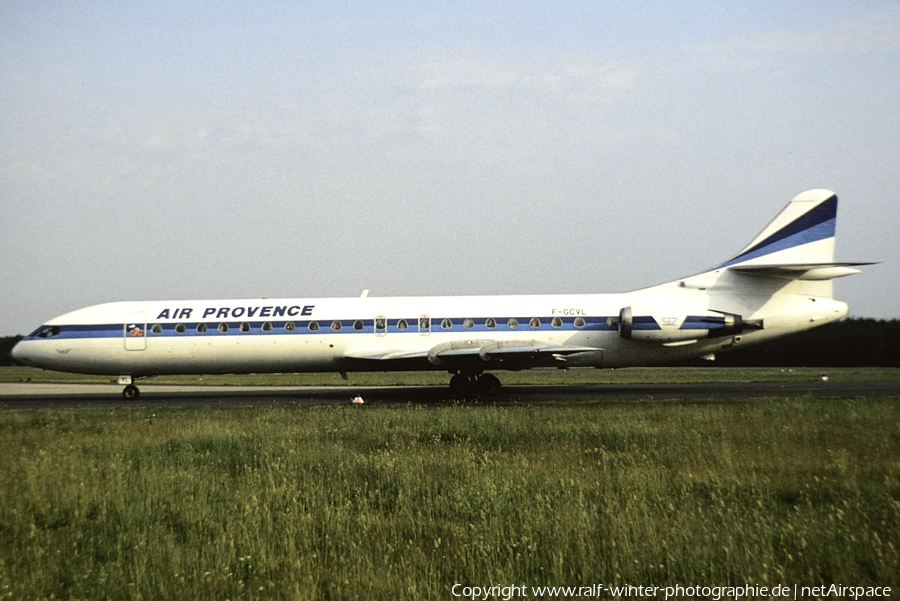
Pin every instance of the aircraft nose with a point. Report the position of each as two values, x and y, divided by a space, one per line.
18 353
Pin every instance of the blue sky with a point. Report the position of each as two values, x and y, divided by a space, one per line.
205 150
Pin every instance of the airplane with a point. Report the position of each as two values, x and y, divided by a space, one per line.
780 283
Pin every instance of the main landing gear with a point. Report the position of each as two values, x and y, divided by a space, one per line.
472 385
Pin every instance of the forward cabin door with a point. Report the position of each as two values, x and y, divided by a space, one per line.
135 331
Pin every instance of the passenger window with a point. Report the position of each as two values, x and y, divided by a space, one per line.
579 322
156 328
468 323
335 325
201 327
267 327
289 326
446 324
535 322
490 323
513 323
380 324
180 328
313 326
424 324
402 324
556 323
358 325
223 327
245 327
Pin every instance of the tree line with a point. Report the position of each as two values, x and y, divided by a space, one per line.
851 342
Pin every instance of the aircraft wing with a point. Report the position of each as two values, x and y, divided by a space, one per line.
475 352
524 351
386 354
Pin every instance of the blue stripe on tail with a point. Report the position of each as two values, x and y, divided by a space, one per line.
817 224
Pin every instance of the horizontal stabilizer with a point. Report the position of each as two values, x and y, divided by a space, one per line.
802 271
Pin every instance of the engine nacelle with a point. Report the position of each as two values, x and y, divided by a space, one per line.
657 324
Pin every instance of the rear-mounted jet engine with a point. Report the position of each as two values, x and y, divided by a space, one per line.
666 326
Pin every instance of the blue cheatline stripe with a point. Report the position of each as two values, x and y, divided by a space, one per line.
301 327
815 225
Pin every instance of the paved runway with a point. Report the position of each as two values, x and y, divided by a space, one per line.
31 395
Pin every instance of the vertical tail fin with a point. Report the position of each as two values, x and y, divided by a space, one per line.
803 232
797 245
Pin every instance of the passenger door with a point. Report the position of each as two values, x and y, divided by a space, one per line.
135 331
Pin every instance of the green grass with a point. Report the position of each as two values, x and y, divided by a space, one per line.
401 502
632 375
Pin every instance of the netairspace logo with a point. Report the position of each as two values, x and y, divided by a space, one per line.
715 593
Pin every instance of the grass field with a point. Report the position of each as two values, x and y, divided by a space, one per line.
403 501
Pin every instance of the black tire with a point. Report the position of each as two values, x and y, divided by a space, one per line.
488 385
459 386
131 392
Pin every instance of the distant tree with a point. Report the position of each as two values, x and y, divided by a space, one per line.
846 343
6 345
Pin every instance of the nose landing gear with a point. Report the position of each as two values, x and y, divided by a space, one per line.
474 385
131 391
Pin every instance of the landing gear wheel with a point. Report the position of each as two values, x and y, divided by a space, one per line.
460 386
131 392
488 385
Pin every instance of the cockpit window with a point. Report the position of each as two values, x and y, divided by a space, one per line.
45 332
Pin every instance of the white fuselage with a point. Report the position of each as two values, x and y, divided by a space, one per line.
397 333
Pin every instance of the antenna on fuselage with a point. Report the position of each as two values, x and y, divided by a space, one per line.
364 293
